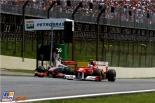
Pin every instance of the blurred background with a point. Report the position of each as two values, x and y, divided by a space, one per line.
124 36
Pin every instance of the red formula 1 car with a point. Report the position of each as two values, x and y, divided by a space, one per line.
96 70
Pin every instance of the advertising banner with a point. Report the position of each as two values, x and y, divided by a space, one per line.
46 24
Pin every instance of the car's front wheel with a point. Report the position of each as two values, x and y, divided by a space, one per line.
111 75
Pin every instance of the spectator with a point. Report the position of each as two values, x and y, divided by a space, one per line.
92 7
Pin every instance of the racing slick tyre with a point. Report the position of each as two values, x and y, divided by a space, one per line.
35 74
49 75
79 76
111 75
98 73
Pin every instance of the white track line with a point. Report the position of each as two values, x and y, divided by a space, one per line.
85 95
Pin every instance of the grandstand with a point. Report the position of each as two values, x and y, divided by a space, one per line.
124 11
126 29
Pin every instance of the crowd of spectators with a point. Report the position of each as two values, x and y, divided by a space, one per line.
138 10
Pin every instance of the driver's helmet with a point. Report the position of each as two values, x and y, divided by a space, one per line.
92 62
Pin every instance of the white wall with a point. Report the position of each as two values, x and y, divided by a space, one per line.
9 62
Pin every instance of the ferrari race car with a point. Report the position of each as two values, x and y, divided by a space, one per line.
96 70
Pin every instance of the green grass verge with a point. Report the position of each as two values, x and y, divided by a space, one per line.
12 48
127 98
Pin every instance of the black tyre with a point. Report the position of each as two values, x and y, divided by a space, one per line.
35 74
98 73
49 75
111 75
79 75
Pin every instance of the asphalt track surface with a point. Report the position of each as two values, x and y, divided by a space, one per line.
35 88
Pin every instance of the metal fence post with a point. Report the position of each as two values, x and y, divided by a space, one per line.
23 30
73 42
